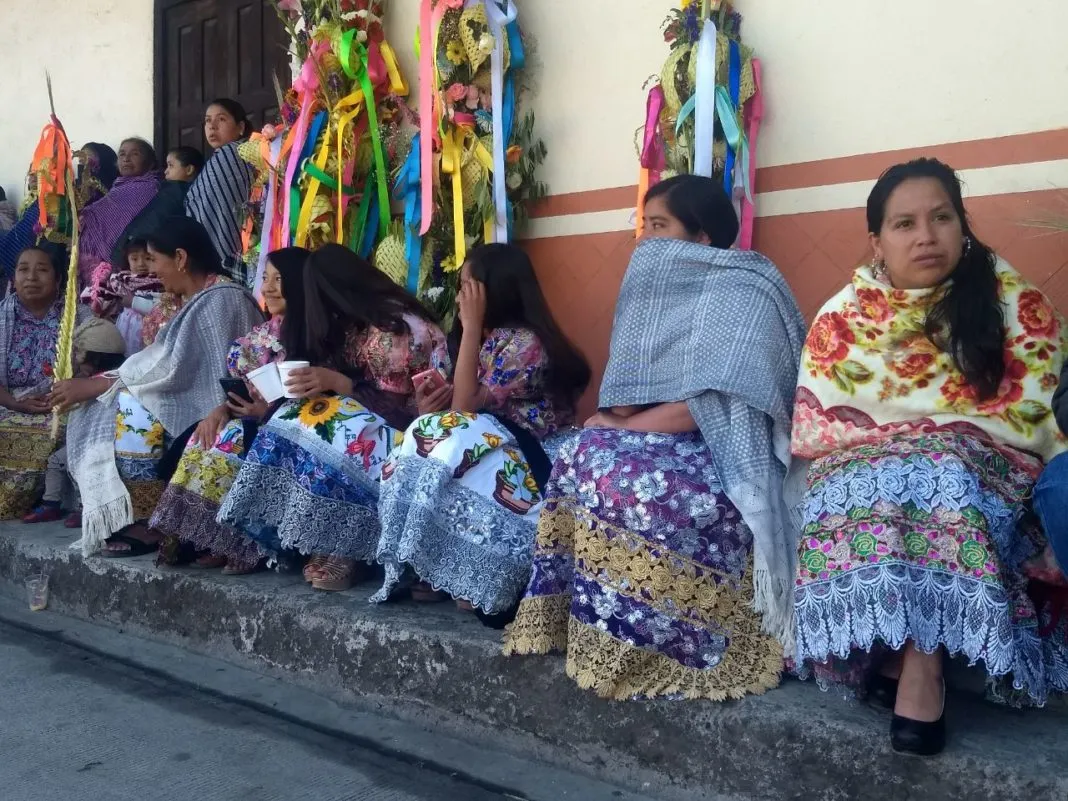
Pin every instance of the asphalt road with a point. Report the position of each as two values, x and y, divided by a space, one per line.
81 727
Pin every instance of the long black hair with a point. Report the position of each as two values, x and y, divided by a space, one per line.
290 263
235 110
701 205
185 233
514 300
968 321
342 290
107 167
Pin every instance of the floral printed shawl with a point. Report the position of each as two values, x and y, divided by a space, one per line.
869 372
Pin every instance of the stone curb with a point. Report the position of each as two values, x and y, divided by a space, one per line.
436 666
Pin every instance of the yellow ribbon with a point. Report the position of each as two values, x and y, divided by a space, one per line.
304 218
356 101
397 84
452 164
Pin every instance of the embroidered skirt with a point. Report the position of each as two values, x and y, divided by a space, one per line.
460 506
921 538
140 441
190 504
643 574
310 480
25 445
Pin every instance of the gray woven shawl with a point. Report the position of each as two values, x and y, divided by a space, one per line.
720 330
176 379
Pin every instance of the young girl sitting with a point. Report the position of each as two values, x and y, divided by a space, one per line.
126 295
98 348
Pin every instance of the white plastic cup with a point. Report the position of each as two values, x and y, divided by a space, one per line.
37 592
268 382
284 369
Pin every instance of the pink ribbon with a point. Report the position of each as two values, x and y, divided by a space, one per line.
426 113
305 86
754 114
653 158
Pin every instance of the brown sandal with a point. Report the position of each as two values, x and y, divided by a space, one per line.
209 562
315 565
423 593
337 575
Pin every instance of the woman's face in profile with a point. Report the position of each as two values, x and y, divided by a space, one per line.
660 223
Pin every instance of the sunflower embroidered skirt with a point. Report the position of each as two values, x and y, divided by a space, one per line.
309 481
643 574
140 441
460 507
25 444
920 538
190 504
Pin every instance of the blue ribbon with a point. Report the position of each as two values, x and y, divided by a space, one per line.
407 188
370 232
734 82
515 45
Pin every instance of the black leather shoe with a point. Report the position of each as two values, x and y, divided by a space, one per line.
918 738
882 691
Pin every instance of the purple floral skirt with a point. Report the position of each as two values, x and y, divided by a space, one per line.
643 574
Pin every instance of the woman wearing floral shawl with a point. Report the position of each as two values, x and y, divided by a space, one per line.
923 403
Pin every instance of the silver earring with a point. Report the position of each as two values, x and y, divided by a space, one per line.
878 268
967 245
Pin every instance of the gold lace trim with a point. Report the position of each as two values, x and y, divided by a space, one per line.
671 583
540 626
144 496
618 671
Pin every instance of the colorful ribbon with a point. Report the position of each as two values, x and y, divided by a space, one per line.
427 87
354 60
268 216
705 100
499 19
652 157
407 189
754 114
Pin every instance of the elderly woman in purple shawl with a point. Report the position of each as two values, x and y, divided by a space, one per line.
102 222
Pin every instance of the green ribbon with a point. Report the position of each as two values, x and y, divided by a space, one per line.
326 180
359 222
354 62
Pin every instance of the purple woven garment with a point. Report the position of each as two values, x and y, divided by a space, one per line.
103 221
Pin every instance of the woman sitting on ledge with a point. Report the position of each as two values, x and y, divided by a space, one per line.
461 496
122 423
923 402
310 479
664 559
186 514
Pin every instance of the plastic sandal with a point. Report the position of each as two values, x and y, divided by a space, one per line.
337 576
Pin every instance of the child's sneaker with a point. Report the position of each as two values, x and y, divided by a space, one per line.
45 513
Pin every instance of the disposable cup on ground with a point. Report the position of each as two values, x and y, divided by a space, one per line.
268 382
37 592
285 368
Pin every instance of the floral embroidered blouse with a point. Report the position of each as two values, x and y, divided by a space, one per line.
32 348
513 367
388 361
259 347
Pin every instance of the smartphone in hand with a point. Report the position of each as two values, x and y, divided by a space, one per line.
429 380
237 387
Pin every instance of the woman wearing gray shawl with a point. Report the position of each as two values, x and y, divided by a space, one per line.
117 436
664 559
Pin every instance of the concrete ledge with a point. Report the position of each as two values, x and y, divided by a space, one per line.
436 666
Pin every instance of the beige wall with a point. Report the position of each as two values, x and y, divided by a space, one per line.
99 53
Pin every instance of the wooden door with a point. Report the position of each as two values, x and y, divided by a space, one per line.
215 48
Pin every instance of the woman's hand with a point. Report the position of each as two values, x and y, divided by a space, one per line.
605 420
310 382
472 304
239 407
68 394
211 426
38 404
428 401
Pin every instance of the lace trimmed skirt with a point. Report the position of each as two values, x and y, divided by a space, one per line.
459 504
190 504
921 538
310 480
643 574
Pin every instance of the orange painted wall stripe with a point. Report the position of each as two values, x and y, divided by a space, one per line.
976 154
